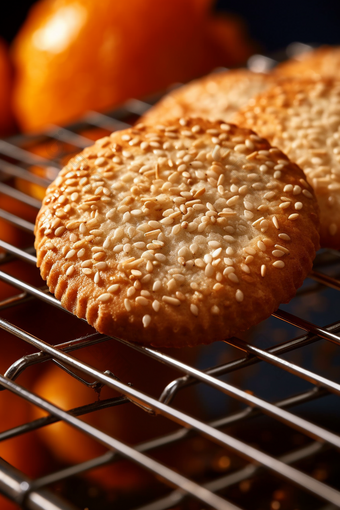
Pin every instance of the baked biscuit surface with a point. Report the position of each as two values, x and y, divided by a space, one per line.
323 61
302 118
182 234
215 97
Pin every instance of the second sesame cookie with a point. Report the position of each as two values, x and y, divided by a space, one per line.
215 97
302 118
177 235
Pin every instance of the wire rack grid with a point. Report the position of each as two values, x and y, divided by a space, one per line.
279 381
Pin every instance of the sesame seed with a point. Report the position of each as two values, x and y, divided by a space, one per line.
146 320
261 245
229 238
284 205
70 254
154 233
278 253
100 265
293 216
263 270
141 300
176 229
233 277
171 300
275 222
136 272
156 286
99 256
100 162
216 155
245 268
194 309
284 236
131 292
279 264
114 288
307 193
239 295
59 231
216 252
104 298
87 271
232 201
249 250
127 305
184 252
70 271
86 263
298 206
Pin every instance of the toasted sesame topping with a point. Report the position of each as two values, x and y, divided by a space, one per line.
114 288
239 295
146 320
301 117
178 228
171 300
279 264
104 298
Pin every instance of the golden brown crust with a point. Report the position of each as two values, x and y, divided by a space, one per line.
176 235
215 97
302 118
321 62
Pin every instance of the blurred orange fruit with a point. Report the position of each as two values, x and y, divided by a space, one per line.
126 422
25 451
78 55
7 125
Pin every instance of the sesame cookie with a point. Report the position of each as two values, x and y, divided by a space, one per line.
302 118
324 61
177 235
216 97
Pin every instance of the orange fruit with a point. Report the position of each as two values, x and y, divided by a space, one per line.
25 451
78 55
126 422
7 125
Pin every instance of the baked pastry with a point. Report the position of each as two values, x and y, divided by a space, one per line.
302 118
323 61
215 97
177 235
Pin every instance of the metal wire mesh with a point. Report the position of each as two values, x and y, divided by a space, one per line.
258 423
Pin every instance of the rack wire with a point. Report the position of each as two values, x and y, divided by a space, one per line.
263 431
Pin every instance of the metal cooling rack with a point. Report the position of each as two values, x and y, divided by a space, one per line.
280 381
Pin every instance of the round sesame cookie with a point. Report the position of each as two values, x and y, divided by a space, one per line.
302 118
215 97
177 235
323 61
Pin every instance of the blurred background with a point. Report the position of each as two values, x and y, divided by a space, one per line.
272 24
59 58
